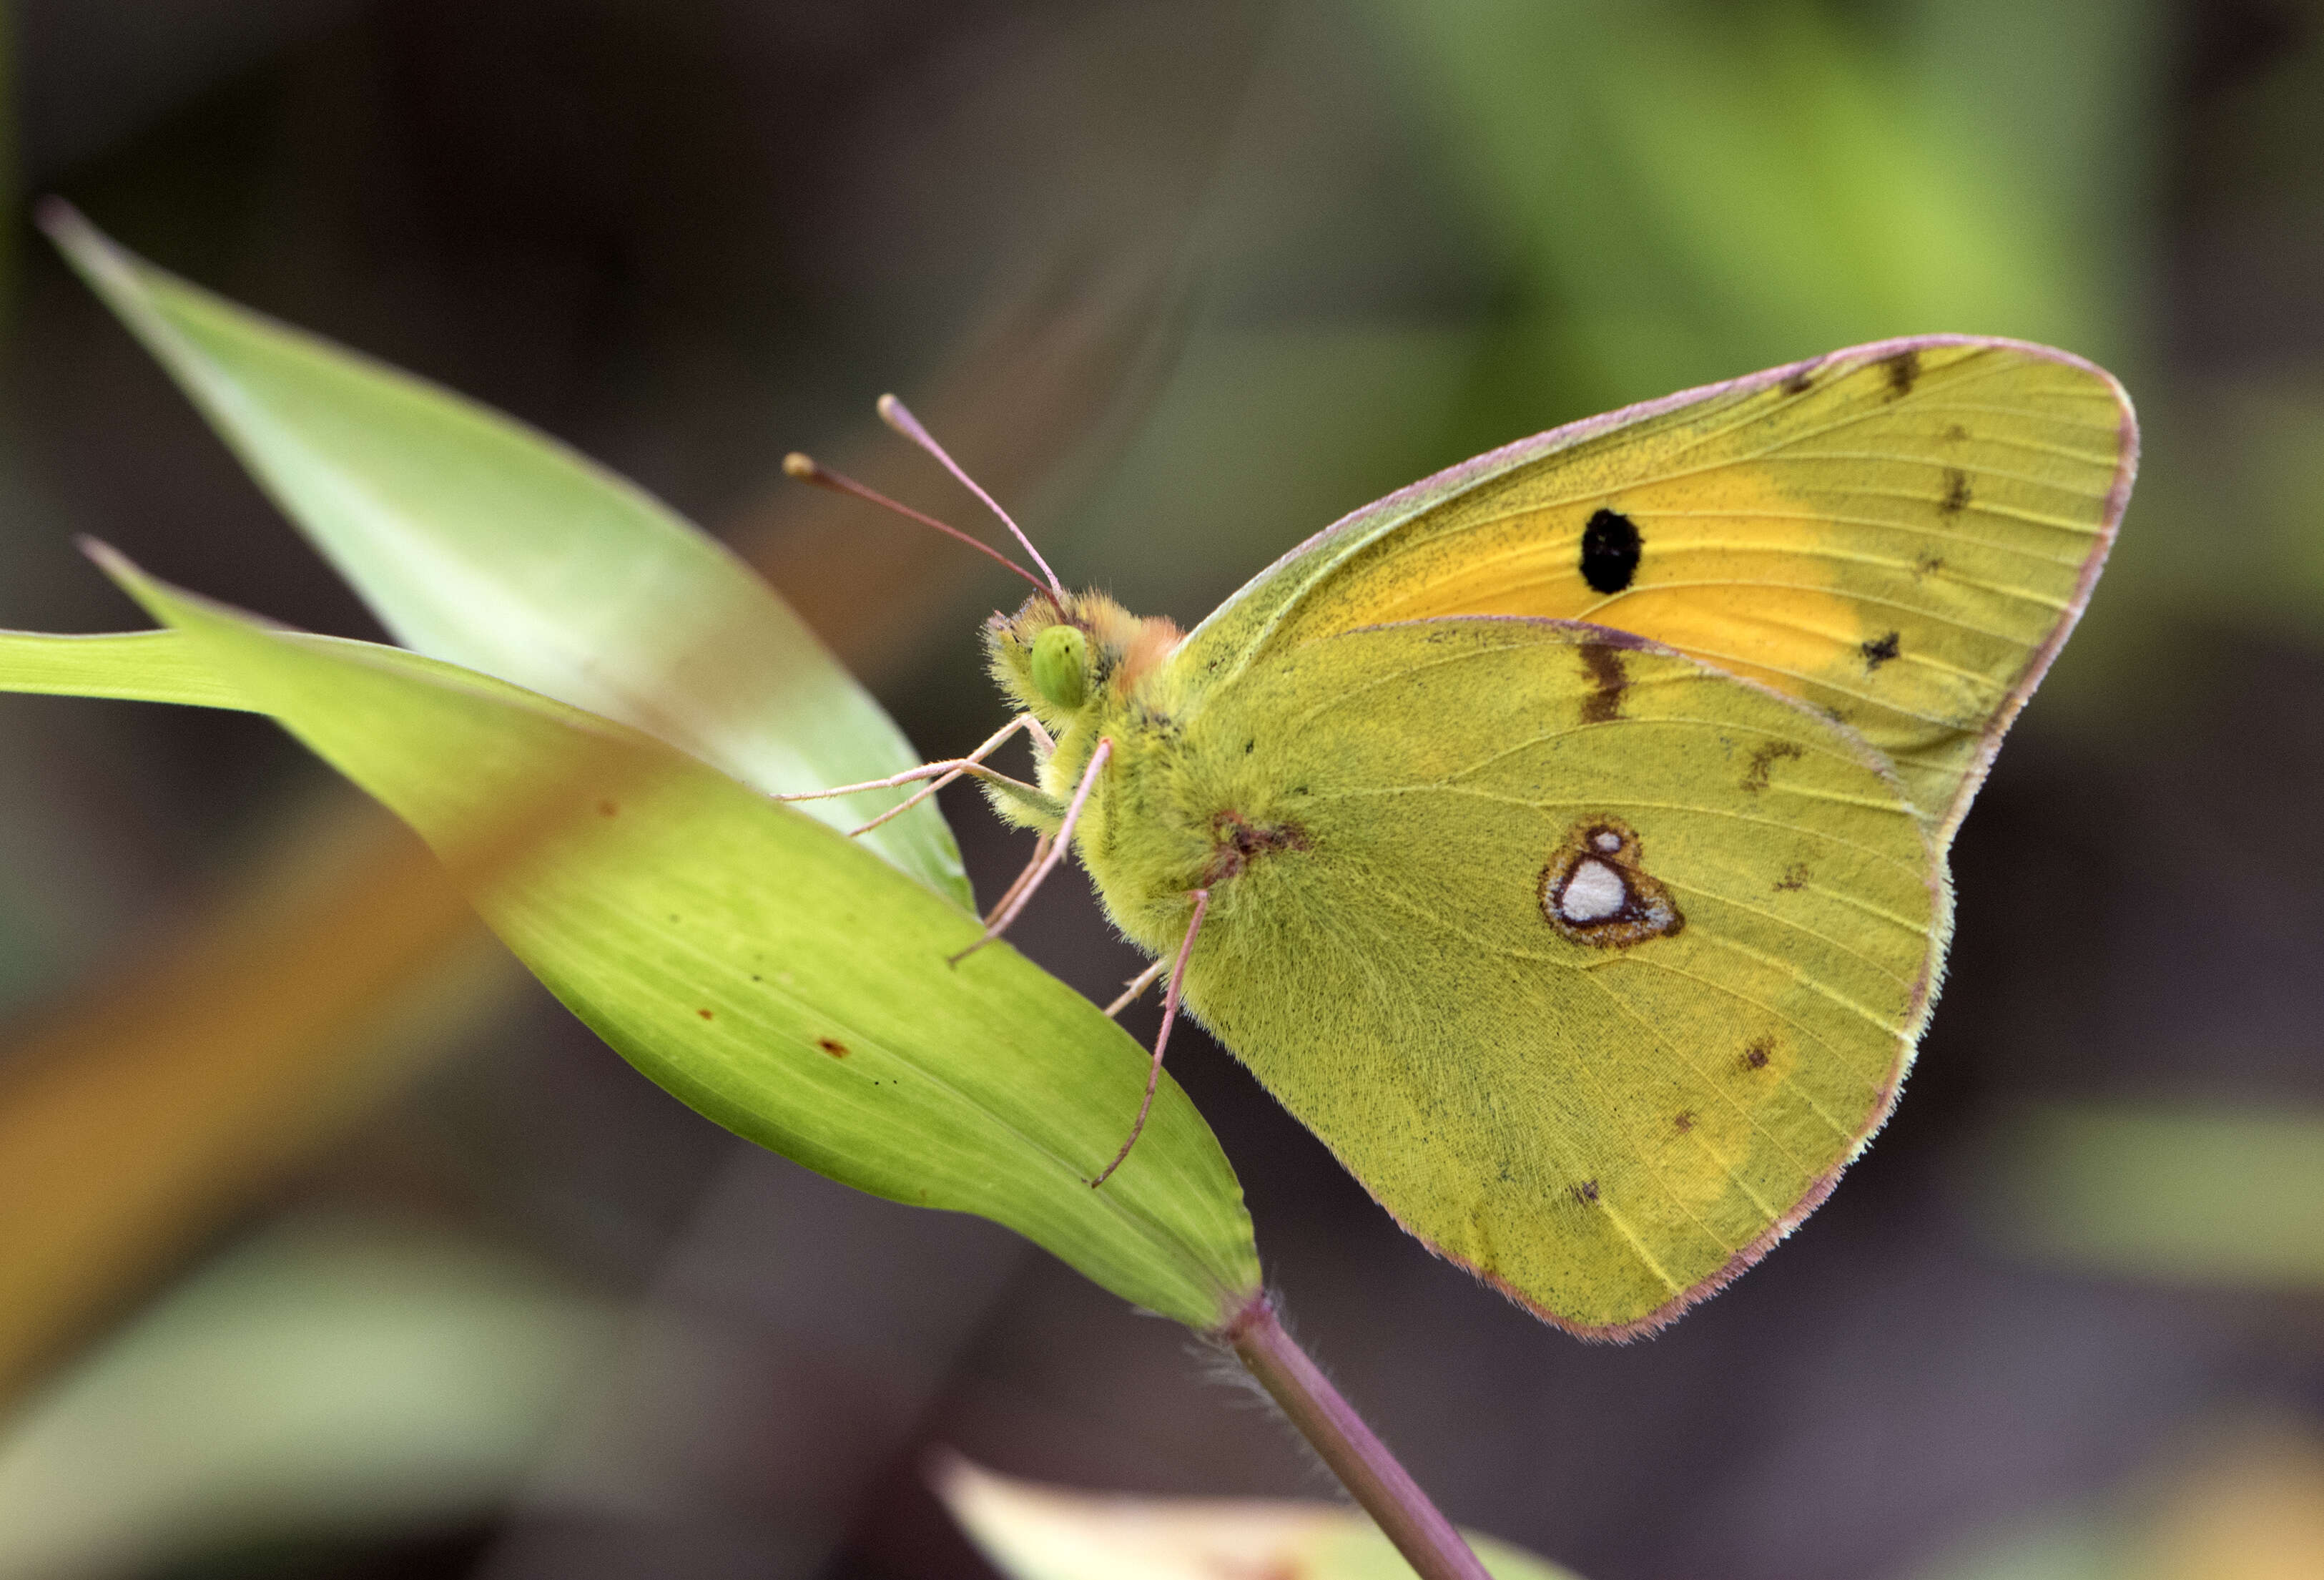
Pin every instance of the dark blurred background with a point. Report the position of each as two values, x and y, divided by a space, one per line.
456 1292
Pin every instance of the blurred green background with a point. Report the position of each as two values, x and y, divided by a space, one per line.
451 1291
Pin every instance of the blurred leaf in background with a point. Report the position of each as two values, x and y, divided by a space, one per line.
332 1377
2234 1198
1034 1532
2243 1501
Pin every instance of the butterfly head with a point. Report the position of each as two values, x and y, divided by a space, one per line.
1058 656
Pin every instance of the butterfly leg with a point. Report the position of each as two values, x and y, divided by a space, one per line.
1003 914
1161 1038
1138 985
1017 884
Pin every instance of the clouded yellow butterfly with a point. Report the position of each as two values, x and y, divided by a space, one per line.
1562 838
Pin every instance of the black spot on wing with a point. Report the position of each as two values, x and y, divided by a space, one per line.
1587 1191
1880 650
1610 546
1800 381
1957 493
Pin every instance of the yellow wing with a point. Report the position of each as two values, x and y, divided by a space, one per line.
1593 964
1900 534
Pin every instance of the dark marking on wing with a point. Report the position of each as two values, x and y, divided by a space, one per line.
1880 650
608 808
1794 878
1608 680
1763 763
703 1013
1610 546
1928 565
1754 1057
1587 1191
1904 371
1957 493
832 1046
1236 841
1684 1123
1645 909
1956 432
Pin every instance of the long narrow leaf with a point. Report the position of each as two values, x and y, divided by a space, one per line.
764 969
482 543
134 666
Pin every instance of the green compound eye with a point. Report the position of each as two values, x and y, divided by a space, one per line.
1061 666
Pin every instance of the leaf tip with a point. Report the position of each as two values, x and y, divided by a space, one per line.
66 225
101 262
108 559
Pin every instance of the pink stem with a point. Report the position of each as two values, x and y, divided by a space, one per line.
1359 1458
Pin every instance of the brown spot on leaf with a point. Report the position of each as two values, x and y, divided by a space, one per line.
1880 650
704 1014
1904 371
1684 1123
1587 1191
1608 679
1754 1057
1957 493
832 1046
1764 759
1794 878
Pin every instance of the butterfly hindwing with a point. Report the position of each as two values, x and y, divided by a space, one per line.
1900 535
1594 965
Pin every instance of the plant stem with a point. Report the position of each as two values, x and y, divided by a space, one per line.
1359 1458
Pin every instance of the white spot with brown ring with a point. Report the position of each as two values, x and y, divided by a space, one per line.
1596 889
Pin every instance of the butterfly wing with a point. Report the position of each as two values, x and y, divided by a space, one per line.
1594 965
1901 535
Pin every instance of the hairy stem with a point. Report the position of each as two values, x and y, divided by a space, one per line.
1359 1458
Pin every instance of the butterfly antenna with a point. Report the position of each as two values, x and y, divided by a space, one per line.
807 469
898 416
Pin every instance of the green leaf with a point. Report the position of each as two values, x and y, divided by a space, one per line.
335 1375
764 969
2217 1197
480 541
1034 1532
134 666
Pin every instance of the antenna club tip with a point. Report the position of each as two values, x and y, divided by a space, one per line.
800 464
898 416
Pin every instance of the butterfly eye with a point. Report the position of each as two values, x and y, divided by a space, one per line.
1061 666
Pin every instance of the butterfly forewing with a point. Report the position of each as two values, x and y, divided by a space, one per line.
1594 965
1900 535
